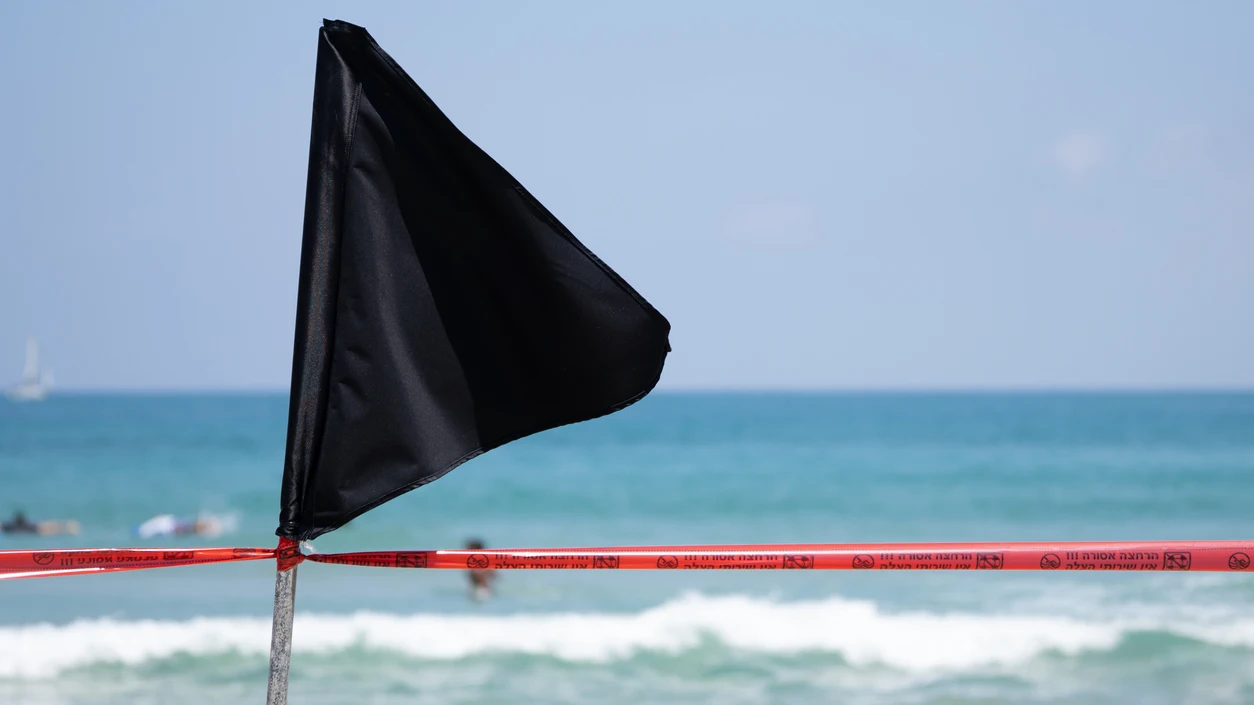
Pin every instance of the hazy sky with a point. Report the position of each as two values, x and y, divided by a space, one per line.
816 195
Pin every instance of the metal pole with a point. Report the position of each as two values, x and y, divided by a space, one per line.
281 635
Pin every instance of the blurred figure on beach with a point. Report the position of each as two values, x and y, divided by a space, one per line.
20 524
481 579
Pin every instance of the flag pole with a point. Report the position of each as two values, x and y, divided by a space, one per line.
281 631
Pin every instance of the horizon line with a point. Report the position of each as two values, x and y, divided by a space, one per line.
850 390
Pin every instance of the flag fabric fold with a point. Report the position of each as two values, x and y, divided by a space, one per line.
442 311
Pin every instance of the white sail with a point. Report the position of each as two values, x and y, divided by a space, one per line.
34 386
31 373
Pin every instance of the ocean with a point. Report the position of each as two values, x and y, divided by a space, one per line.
675 468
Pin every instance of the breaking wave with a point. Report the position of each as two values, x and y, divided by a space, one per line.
858 631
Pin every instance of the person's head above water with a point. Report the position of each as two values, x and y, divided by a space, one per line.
474 545
18 524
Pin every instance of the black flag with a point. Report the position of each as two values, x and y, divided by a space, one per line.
442 310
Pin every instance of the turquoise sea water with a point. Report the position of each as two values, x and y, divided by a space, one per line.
676 468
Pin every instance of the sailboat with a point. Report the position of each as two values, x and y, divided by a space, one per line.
34 385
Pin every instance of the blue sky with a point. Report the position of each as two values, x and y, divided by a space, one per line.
818 195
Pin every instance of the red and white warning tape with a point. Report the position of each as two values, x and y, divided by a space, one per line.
1192 556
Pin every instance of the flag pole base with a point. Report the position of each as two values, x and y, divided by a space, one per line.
281 635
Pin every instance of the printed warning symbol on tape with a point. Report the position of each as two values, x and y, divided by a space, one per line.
411 560
667 562
176 555
1239 561
989 561
44 558
798 562
477 561
1050 561
605 561
863 561
1177 560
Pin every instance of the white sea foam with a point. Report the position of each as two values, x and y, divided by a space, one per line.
857 630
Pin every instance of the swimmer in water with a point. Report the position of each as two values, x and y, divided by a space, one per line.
19 524
170 525
480 579
201 526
